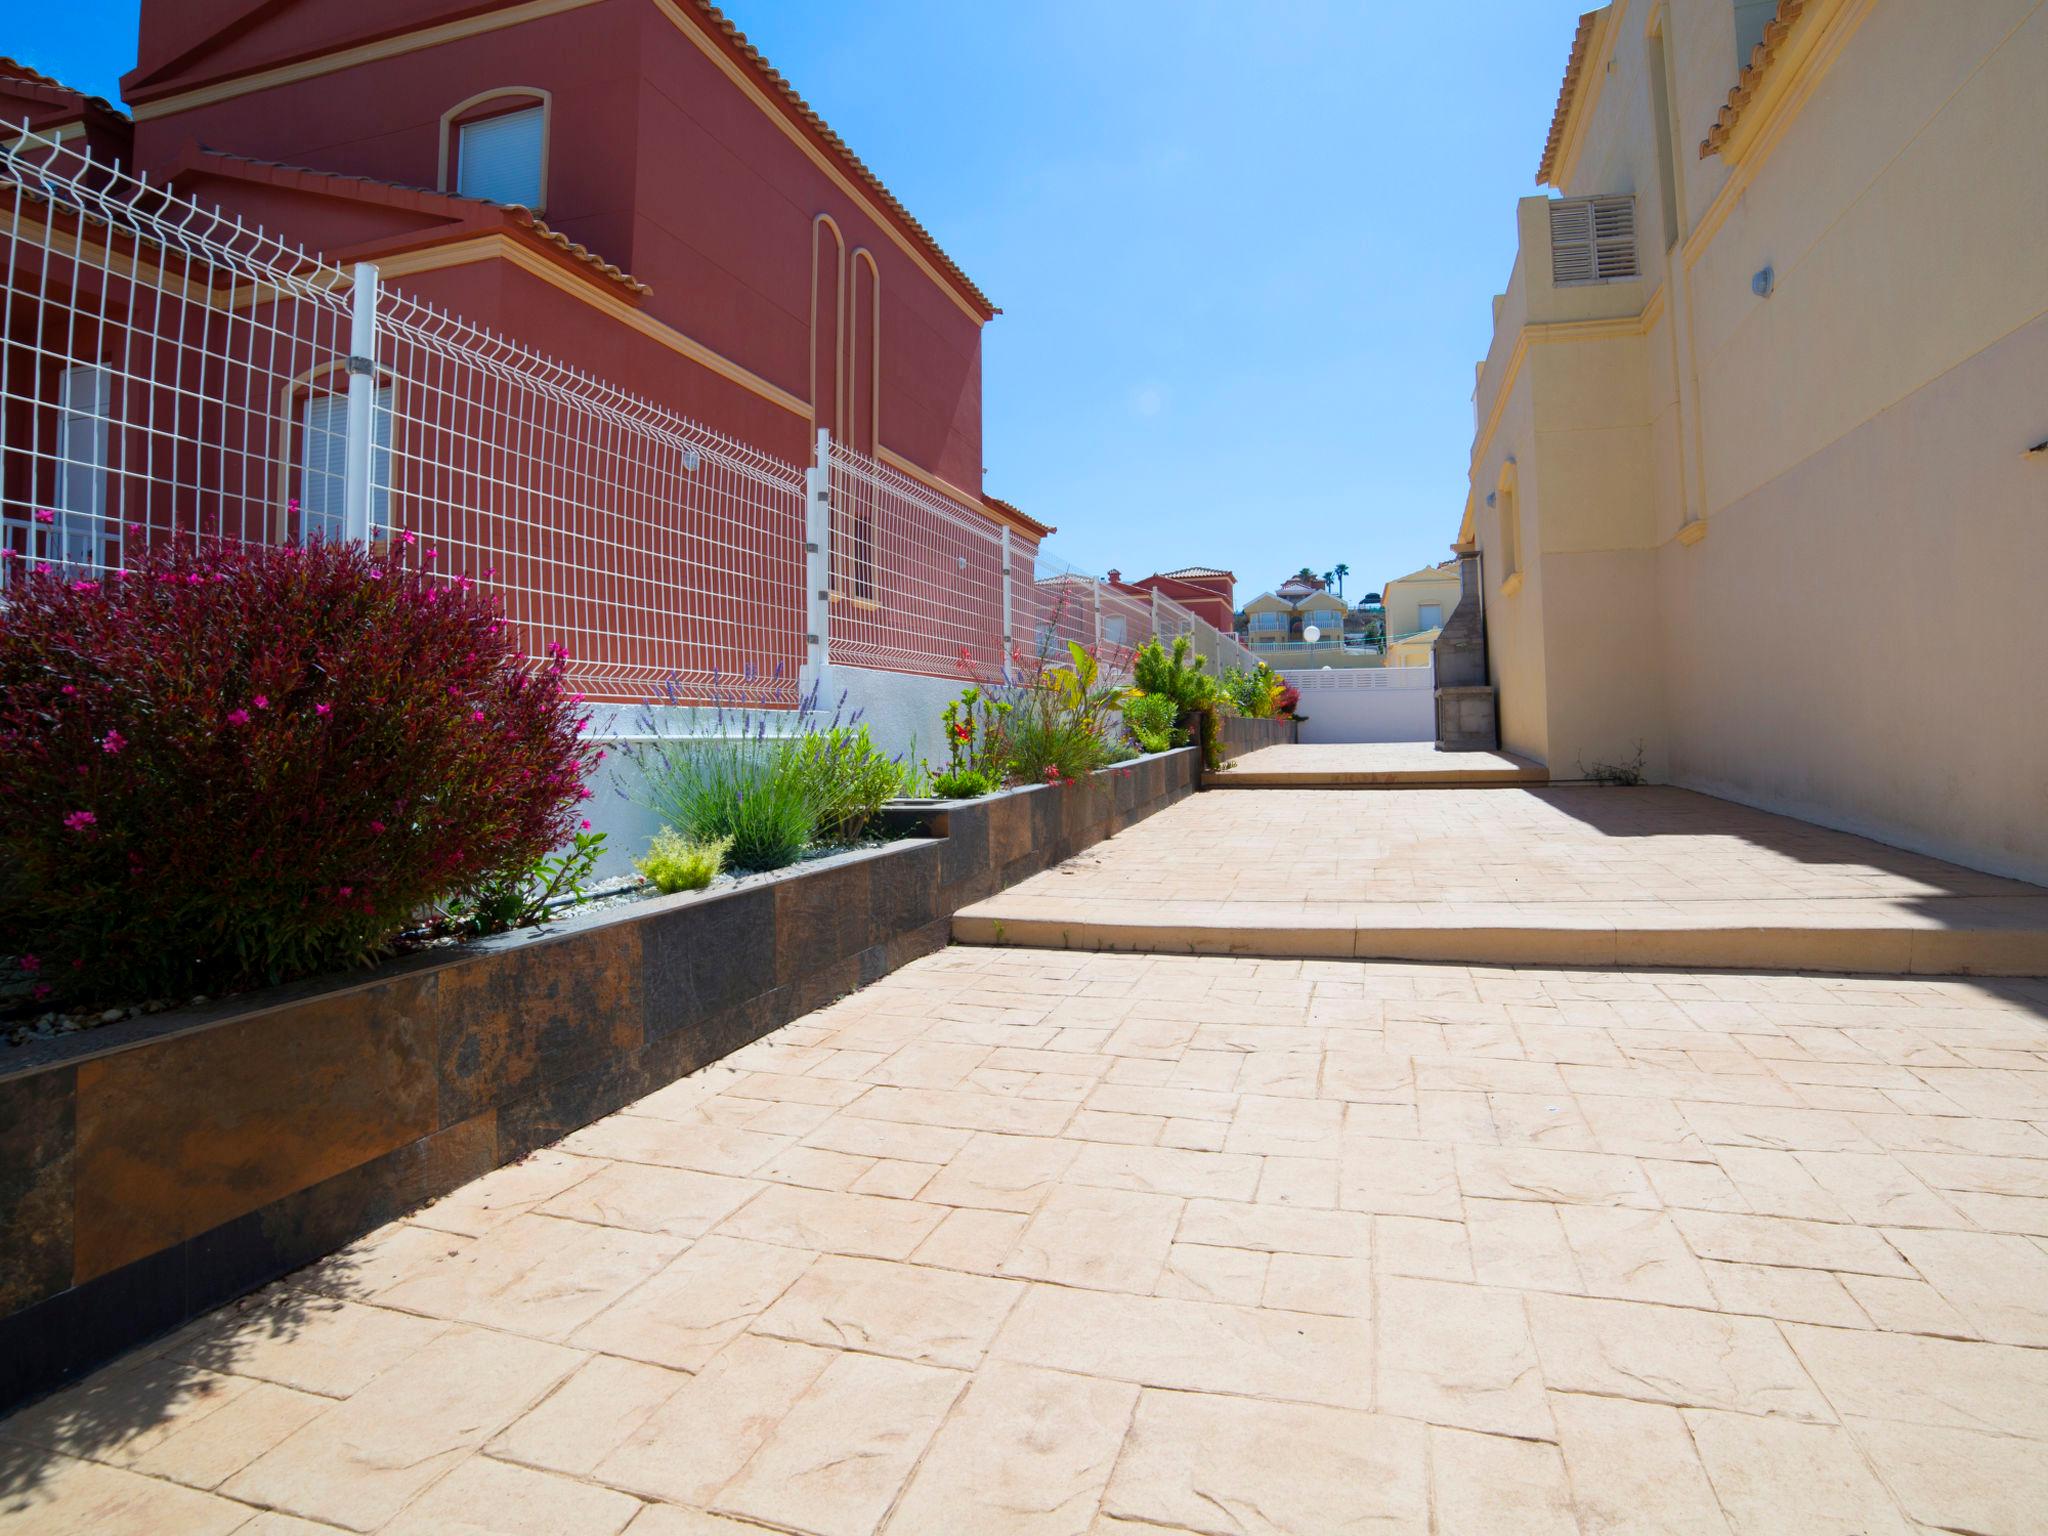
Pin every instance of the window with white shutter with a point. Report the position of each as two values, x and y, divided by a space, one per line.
1593 240
323 454
85 400
499 158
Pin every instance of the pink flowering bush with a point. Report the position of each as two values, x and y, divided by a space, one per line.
236 767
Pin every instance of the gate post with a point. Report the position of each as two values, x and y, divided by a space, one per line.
1003 656
818 561
360 466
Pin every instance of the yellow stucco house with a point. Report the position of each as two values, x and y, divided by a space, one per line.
1417 603
1414 650
1767 399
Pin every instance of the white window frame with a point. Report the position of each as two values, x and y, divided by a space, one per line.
1424 621
320 422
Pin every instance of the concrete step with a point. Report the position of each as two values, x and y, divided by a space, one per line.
1389 765
1982 936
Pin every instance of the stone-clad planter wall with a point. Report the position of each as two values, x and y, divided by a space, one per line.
1241 735
153 1169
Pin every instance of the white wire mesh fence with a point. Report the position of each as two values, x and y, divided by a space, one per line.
167 373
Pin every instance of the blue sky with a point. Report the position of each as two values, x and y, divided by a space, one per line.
1244 251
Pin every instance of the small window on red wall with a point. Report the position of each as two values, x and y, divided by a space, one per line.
496 148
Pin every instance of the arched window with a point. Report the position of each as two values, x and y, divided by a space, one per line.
494 146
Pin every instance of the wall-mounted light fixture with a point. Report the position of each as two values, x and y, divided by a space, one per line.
1764 281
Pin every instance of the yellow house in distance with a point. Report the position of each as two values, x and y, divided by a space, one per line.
1775 363
1417 603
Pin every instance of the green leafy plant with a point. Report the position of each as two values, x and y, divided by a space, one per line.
673 863
742 792
962 784
1196 696
977 729
849 775
517 899
1152 721
1059 728
1255 694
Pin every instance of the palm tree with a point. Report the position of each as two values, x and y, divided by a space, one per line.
1342 572
1329 579
1306 573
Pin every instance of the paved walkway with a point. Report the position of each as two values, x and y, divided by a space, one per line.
1030 1242
1374 765
1558 875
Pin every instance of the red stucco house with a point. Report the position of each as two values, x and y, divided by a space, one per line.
1203 590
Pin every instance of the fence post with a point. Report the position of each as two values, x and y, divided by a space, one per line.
361 465
1003 657
818 559
1095 588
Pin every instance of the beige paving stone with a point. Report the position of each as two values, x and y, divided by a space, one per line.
82 1498
1634 1469
589 1416
1634 1255
1309 1182
1195 1272
1904 1306
1025 1452
308 1342
1670 1354
1560 1178
1167 1171
1776 1183
1520 1243
1776 1475
706 1148
489 1202
693 1309
1878 1189
1459 1355
894 1179
1272 1124
536 1275
1790 1243
829 1221
966 1111
1303 1282
1225 1465
1958 1479
1127 1130
495 1498
973 1240
1488 1485
362 1461
207 1452
119 1415
270 1523
645 1197
377 1261
1392 1177
1111 1239
1997 1281
911 1311
1962 1384
815 1168
675 1520
1276 1228
1192 1346
888 1138
1694 1186
697 1441
1791 1295
838 1459
1417 1246
1002 1173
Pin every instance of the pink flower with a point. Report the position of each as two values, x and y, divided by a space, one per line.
238 717
67 689
376 826
430 553
376 573
29 963
8 554
323 709
261 701
344 892
292 505
584 825
42 990
45 515
135 527
477 715
112 743
490 571
79 821
407 536
85 586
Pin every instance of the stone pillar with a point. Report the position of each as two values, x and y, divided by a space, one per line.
1467 718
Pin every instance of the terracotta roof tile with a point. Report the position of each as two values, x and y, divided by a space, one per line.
40 84
839 147
1573 68
1760 59
1018 515
1189 571
399 194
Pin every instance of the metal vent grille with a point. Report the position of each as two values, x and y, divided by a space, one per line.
1593 240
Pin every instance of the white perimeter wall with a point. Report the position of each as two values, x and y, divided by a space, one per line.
1368 704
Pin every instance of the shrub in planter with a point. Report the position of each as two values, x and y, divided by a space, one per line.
1197 697
235 766
674 863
